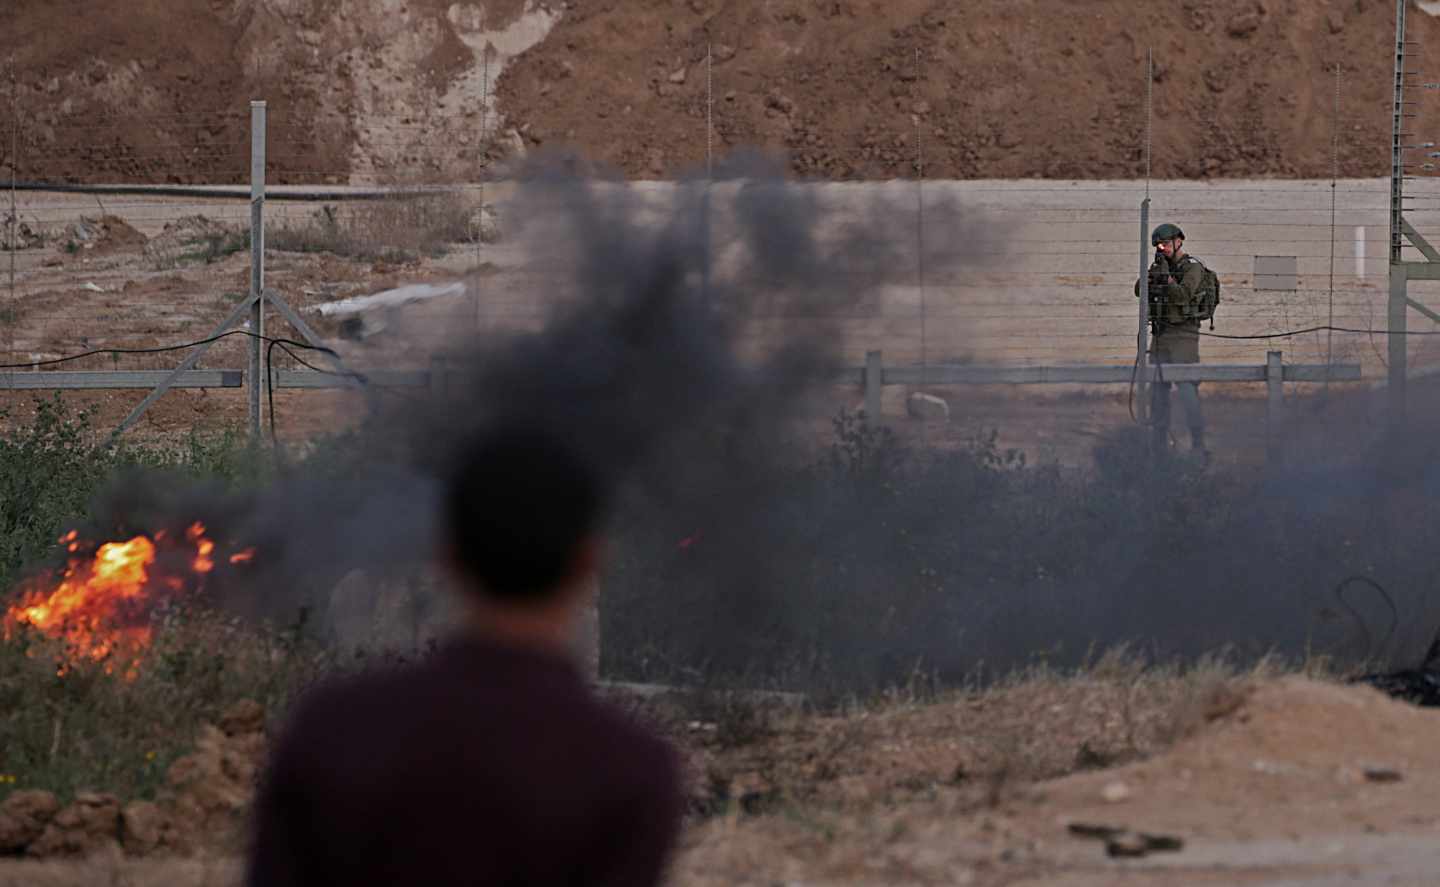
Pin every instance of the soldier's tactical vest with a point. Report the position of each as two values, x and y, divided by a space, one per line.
1207 298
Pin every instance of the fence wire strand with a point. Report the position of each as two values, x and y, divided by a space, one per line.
1046 278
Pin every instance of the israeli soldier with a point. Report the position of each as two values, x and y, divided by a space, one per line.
1178 286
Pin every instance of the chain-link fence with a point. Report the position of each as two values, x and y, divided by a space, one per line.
393 254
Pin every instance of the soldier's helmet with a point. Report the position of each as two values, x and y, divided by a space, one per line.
1166 231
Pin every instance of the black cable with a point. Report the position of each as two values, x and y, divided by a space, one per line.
1304 332
352 374
1134 372
285 344
1359 621
160 349
272 343
361 378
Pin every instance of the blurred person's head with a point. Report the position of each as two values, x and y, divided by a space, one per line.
522 514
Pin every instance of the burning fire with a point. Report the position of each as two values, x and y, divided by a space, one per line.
102 603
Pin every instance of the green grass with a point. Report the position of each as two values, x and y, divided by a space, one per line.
85 726
52 467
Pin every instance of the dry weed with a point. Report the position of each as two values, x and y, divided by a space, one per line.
981 746
395 230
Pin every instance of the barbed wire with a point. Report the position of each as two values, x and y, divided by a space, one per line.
1017 305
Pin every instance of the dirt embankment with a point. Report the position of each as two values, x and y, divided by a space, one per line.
1020 88
155 91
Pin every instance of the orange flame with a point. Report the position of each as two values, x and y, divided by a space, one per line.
100 607
91 595
204 548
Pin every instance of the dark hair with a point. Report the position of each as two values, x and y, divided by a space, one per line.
518 507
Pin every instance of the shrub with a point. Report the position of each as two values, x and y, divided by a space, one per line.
98 726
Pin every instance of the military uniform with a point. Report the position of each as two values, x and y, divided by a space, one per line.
1175 287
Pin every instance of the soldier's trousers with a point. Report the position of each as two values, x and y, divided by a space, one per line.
1177 343
1160 412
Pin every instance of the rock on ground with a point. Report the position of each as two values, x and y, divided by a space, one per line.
23 817
927 407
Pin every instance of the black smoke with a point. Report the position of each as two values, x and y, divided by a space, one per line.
685 329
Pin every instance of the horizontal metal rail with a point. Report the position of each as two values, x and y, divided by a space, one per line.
908 375
379 378
118 379
234 192
1107 375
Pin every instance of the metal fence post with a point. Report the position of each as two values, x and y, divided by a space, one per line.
14 206
1399 275
1142 338
1396 317
257 260
705 221
1274 406
874 371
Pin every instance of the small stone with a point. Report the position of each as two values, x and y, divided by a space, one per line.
677 77
1124 843
1336 21
1218 78
1383 774
1243 25
927 407
1127 844
777 102
1115 792
723 52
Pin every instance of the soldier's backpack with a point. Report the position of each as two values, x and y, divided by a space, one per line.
1208 295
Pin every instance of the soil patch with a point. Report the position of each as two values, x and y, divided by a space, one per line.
149 92
1022 88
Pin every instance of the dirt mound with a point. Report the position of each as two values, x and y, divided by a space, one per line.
1279 781
1325 754
103 236
202 805
994 89
155 92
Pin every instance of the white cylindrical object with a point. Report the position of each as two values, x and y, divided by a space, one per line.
1359 252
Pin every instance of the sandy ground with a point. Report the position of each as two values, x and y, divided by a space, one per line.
1274 781
1273 793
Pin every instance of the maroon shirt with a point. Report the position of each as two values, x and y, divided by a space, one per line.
484 765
